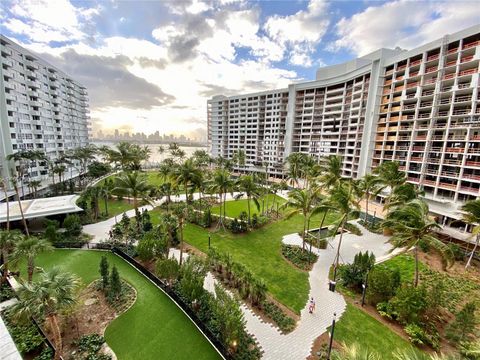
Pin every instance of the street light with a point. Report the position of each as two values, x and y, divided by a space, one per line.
330 344
364 289
209 241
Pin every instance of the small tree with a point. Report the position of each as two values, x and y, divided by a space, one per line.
167 270
104 272
72 225
463 327
353 275
382 284
115 284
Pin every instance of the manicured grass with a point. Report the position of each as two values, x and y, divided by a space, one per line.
406 264
153 328
235 207
356 326
115 207
260 251
152 178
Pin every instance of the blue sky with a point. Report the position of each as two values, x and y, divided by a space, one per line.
151 65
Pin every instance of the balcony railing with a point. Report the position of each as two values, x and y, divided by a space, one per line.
470 45
432 57
467 72
431 69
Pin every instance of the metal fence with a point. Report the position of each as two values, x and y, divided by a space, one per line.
177 300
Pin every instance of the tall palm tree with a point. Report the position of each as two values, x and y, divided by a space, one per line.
247 185
330 170
471 215
84 155
411 224
187 174
106 191
8 239
20 167
239 158
167 189
402 194
302 201
27 249
134 185
344 201
295 163
390 176
20 207
46 298
369 186
34 185
181 210
221 184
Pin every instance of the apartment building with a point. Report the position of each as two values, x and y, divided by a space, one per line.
254 123
419 107
41 108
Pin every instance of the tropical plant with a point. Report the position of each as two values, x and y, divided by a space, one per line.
187 174
134 185
53 292
28 248
180 210
390 177
369 186
382 284
8 239
104 272
355 352
247 185
295 162
239 158
343 200
471 215
168 270
411 224
330 170
221 184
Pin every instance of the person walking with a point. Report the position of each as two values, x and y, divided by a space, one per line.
311 305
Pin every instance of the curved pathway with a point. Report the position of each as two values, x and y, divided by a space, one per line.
298 343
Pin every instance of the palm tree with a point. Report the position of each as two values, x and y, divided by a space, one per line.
402 194
54 292
34 185
8 239
302 201
165 170
390 176
135 185
247 185
19 159
239 158
181 210
295 163
471 216
411 224
28 249
186 174
167 189
221 184
84 155
20 207
369 186
106 192
94 193
330 170
343 199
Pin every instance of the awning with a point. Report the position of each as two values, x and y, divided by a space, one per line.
40 207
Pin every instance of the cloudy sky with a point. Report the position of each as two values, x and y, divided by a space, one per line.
151 65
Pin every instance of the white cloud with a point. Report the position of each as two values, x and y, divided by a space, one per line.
403 23
45 21
300 32
197 7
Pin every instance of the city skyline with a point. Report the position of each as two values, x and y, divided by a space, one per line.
152 67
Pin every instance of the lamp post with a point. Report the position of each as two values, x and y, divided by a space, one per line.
364 289
330 344
209 241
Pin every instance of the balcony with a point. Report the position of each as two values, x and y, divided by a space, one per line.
454 150
470 45
474 150
463 99
471 177
432 57
431 69
448 76
467 72
452 51
412 179
472 163
466 59
412 85
450 63
416 62
470 190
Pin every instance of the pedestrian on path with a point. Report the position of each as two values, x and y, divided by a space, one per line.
311 306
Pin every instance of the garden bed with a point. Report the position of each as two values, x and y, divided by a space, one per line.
302 259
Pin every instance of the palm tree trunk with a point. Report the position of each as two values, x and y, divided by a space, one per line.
181 242
57 336
248 205
366 208
31 267
304 227
106 205
473 252
416 267
337 256
21 209
7 203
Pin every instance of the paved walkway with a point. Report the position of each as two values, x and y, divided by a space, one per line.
8 350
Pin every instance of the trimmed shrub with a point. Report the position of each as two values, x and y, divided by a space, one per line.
382 284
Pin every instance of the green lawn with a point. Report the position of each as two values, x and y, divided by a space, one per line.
153 328
115 207
260 251
152 177
406 264
356 326
234 208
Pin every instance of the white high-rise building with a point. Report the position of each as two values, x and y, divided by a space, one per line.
41 108
419 107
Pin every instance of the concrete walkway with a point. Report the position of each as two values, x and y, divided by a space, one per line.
8 350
